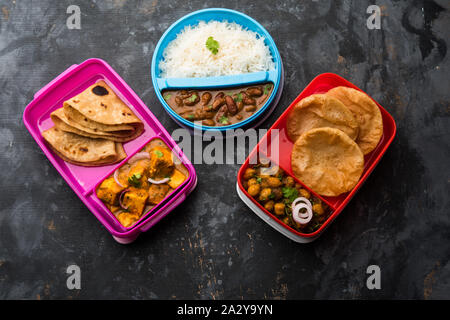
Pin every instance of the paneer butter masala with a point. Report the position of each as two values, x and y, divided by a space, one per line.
144 181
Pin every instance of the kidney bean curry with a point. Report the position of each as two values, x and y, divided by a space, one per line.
218 107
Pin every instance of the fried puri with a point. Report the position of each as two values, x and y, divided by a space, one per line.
327 161
318 111
366 113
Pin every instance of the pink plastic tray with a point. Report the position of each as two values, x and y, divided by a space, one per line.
83 180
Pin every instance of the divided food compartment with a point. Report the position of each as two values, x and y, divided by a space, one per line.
320 84
276 76
83 180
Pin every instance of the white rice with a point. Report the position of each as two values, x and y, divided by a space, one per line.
240 51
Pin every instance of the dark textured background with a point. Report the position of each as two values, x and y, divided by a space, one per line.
213 246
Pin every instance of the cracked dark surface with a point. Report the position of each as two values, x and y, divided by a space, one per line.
213 246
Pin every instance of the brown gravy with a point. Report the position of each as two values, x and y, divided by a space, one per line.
218 107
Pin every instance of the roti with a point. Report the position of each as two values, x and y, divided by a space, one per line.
98 108
327 161
317 111
81 150
63 123
366 113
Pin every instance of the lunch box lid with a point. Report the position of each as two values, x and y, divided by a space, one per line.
320 84
275 76
83 180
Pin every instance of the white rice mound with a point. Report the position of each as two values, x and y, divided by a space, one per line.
240 51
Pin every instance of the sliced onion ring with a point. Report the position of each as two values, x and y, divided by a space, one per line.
116 178
120 199
300 218
158 181
301 199
139 156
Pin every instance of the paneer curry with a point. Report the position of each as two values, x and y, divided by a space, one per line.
144 181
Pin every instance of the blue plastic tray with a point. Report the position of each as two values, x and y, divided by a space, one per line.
275 76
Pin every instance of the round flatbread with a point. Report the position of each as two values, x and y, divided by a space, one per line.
318 111
366 113
327 161
83 151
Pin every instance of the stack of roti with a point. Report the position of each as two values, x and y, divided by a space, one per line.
91 127
332 134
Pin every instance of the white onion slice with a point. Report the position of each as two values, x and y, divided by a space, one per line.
301 199
139 156
300 217
158 181
116 178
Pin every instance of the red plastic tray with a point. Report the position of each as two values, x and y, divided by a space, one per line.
320 84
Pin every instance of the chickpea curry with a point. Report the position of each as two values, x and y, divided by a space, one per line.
218 107
279 194
144 181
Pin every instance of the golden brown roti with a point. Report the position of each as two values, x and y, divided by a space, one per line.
98 108
327 161
83 151
367 115
317 111
63 123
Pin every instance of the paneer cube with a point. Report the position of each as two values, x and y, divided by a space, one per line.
109 191
161 162
134 200
127 219
176 179
138 173
157 192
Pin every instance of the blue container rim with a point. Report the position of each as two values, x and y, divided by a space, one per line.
240 124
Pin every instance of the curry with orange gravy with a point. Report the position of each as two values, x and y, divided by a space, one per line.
144 181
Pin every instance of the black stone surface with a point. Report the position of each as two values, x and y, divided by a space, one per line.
212 246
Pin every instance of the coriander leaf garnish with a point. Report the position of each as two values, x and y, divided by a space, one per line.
290 193
212 45
134 180
223 120
238 98
158 153
192 98
266 89
167 97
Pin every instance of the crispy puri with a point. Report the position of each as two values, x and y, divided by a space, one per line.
317 111
327 161
99 109
83 151
366 113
